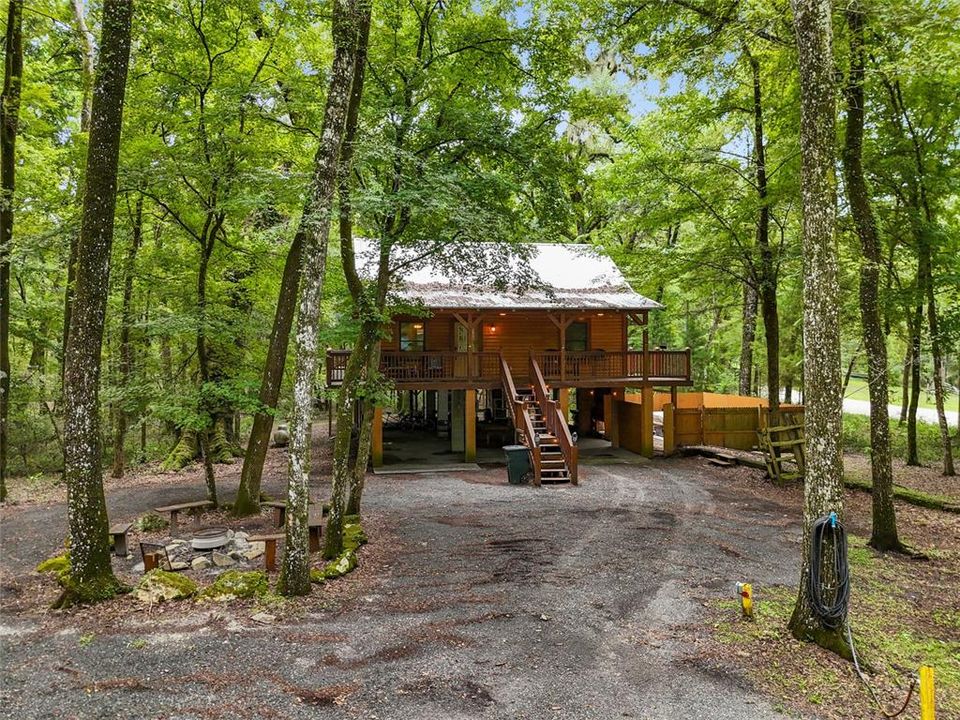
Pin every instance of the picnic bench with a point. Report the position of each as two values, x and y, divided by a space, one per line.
175 510
279 510
269 548
118 531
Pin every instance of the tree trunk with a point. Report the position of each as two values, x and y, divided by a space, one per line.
913 457
748 335
905 382
315 225
209 475
87 59
369 331
935 350
365 439
884 534
248 494
91 575
126 351
768 265
346 403
9 117
823 483
369 327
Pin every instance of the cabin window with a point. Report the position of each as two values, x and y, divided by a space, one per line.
411 336
576 337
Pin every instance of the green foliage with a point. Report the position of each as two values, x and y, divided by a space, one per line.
234 584
353 538
856 438
59 566
151 522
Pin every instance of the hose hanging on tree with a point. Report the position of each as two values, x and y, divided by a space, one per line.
830 602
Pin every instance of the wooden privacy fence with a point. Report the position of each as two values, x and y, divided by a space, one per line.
730 427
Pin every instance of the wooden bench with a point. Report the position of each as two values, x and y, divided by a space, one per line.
314 527
118 531
279 510
269 548
175 510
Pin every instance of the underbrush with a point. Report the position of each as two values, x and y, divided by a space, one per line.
856 438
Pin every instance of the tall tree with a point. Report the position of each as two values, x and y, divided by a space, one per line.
126 347
315 221
248 492
87 59
884 535
9 117
823 482
767 270
91 575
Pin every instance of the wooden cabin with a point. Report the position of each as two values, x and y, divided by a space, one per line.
541 366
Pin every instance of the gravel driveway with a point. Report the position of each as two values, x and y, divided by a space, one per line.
480 600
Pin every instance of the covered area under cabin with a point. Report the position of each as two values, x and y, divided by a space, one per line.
545 367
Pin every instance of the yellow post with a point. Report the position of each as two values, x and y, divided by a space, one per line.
928 710
669 430
646 421
745 590
376 441
565 403
470 426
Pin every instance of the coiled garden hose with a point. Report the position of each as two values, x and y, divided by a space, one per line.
830 602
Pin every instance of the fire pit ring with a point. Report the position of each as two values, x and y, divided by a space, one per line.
210 539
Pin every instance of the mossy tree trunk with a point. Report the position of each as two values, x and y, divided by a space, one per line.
12 78
365 439
248 494
342 470
209 474
367 307
315 224
884 535
823 483
126 350
91 575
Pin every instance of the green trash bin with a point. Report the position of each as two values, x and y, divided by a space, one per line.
518 463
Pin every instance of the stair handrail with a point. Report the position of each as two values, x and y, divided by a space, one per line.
554 420
521 418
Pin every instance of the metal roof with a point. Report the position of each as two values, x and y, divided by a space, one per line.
555 276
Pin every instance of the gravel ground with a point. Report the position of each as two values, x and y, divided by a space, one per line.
474 599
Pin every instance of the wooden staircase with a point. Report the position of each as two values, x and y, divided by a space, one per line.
541 427
553 466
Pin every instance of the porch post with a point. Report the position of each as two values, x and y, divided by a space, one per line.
646 421
376 440
563 347
470 426
564 403
610 424
646 348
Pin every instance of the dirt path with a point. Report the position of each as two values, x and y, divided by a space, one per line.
484 601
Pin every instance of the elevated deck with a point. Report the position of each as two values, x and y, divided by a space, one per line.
437 370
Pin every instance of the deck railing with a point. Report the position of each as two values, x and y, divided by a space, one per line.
668 365
447 366
424 367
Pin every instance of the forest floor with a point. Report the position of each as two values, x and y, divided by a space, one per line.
476 599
